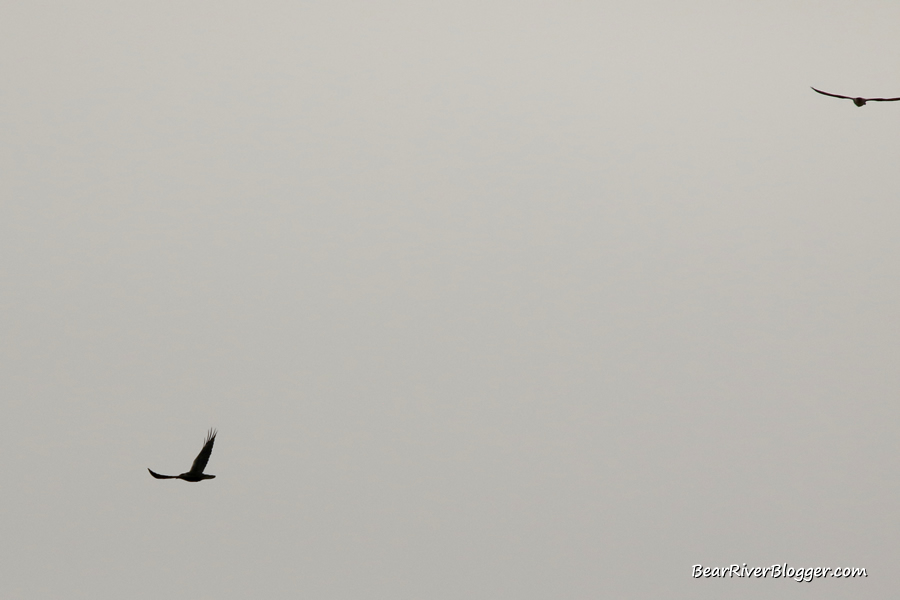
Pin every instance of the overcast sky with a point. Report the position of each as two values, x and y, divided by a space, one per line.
487 300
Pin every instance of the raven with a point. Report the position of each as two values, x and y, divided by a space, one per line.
857 101
196 473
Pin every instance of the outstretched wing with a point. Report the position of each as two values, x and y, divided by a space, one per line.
203 457
832 95
158 476
882 99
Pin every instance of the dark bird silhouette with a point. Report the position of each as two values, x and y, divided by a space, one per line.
196 473
857 101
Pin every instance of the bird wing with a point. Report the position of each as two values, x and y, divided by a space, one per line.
158 476
832 95
203 457
882 99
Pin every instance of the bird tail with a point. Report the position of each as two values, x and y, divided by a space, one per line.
158 476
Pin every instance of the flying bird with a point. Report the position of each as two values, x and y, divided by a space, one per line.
196 473
857 101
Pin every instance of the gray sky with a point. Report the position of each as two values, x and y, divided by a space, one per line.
519 300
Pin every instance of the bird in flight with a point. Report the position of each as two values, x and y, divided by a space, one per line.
857 101
196 473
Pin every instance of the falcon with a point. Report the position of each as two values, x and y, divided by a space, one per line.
857 101
196 473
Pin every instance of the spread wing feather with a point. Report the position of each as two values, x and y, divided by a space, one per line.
158 476
203 457
832 95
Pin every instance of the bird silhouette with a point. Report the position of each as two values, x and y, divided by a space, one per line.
857 101
196 473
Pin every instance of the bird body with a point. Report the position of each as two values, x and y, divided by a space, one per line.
857 101
185 476
196 473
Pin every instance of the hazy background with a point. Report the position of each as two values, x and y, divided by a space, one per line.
521 300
